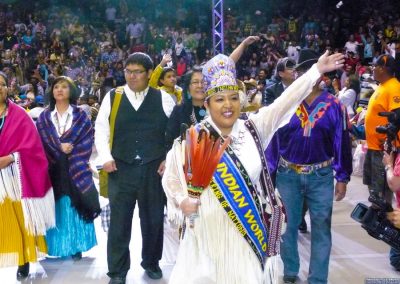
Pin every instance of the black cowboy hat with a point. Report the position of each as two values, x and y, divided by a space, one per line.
307 57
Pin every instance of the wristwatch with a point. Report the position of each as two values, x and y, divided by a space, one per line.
387 167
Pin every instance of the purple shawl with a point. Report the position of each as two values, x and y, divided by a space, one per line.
80 135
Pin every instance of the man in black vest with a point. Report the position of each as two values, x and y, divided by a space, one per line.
135 165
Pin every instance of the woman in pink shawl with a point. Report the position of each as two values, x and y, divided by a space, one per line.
26 195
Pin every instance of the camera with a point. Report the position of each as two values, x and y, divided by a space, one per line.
373 220
391 129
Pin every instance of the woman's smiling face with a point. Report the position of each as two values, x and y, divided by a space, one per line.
224 109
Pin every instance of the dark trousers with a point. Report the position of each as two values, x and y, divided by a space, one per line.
128 185
375 175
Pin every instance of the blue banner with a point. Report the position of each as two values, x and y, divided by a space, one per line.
238 197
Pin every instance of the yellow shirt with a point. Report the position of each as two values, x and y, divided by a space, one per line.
155 76
385 98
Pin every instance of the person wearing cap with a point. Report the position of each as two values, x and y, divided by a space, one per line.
67 136
285 74
222 246
134 163
311 146
385 98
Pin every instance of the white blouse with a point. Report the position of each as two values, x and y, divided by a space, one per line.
348 97
62 122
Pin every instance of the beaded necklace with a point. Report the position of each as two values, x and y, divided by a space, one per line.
61 129
193 118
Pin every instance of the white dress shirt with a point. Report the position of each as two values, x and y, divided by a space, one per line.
102 125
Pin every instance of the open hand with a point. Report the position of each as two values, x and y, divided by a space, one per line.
327 63
166 59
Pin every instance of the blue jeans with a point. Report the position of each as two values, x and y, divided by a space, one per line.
316 189
394 256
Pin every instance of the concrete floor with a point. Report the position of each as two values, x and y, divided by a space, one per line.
355 255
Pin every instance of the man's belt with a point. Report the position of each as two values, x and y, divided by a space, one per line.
304 169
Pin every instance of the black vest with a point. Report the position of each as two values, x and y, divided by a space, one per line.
140 133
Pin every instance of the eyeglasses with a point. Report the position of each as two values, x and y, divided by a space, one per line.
133 72
197 83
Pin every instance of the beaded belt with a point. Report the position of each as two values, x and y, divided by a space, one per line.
304 169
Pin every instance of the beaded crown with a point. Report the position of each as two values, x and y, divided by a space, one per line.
219 75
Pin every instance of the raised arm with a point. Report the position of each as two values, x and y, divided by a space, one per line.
270 118
238 52
155 76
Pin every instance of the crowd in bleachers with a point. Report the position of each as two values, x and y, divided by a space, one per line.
89 41
54 51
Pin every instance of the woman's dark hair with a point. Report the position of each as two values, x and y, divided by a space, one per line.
186 84
187 98
140 58
2 74
354 83
164 72
73 91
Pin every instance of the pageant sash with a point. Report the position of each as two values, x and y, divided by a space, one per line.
237 195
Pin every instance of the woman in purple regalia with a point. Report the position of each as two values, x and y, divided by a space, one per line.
67 134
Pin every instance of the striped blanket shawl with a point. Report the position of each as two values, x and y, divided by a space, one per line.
80 135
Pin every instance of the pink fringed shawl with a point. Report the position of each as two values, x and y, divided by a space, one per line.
19 134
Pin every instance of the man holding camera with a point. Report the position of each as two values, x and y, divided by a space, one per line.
392 167
385 98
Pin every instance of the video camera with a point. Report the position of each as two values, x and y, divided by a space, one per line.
391 129
373 220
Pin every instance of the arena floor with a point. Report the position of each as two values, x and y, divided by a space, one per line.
355 256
